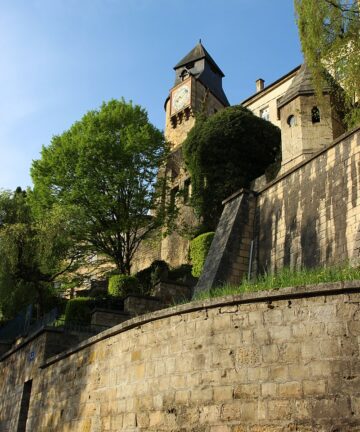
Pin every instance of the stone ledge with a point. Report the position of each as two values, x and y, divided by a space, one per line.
28 339
336 288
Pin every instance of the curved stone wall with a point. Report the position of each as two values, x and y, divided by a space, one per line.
285 360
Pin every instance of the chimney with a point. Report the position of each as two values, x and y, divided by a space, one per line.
259 84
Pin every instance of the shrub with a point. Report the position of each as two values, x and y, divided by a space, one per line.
79 309
150 275
199 248
123 285
223 153
181 273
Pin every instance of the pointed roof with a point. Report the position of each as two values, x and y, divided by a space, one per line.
197 53
301 85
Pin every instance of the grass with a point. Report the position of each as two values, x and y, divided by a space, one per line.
286 278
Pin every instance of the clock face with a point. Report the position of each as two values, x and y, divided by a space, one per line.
180 98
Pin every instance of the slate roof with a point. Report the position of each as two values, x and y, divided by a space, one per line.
197 53
301 85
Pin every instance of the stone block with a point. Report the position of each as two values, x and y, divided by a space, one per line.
182 396
269 389
202 394
246 391
223 393
314 388
156 418
270 353
210 414
129 420
291 389
279 373
279 410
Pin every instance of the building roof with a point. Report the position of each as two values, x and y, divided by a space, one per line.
269 87
197 53
301 85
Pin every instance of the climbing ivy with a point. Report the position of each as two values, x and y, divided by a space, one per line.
223 153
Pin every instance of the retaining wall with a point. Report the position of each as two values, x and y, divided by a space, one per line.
284 360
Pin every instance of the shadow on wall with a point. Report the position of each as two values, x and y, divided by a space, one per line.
302 220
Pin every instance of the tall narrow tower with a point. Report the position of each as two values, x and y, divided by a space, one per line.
197 88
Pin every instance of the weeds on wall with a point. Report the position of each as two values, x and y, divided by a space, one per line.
286 278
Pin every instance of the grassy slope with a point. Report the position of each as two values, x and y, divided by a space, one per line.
286 278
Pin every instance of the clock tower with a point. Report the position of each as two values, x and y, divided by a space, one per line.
197 88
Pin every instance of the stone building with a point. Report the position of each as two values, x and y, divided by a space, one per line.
289 103
282 360
197 88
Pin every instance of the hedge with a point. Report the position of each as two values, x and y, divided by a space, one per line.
150 275
123 285
199 248
79 309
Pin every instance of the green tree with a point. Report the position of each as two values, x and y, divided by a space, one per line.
330 37
223 153
106 167
34 252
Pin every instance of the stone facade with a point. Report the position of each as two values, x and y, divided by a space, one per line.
285 360
310 216
306 217
265 101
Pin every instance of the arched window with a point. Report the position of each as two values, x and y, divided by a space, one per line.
291 121
315 115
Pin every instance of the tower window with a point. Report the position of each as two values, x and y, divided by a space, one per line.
184 74
315 115
173 195
187 190
291 121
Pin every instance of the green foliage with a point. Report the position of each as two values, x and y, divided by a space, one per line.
104 168
199 248
79 310
150 275
329 33
287 278
34 252
123 285
223 153
181 273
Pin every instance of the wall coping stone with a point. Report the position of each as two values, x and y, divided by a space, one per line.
112 311
145 297
333 288
241 191
29 339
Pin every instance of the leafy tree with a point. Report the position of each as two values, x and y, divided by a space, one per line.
106 167
34 252
223 153
330 38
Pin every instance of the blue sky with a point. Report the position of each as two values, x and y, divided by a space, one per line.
62 58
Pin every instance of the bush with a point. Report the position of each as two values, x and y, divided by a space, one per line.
150 275
199 248
123 285
79 309
223 153
181 273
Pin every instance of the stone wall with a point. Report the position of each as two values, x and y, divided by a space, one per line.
310 216
278 361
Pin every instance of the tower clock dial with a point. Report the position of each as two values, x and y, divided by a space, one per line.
180 98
